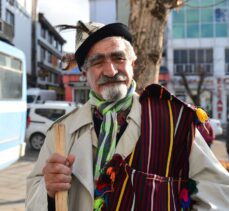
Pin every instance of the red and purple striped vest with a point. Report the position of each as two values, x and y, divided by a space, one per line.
154 176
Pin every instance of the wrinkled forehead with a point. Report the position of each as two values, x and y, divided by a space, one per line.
107 46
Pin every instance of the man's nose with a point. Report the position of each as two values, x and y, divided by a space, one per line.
109 69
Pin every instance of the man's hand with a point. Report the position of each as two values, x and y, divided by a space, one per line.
57 173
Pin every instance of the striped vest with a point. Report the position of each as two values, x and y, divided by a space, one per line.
155 175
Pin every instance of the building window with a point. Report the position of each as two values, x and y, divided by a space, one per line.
193 30
50 77
54 42
227 61
50 38
206 30
201 19
178 31
192 15
54 61
221 30
43 56
57 45
49 57
10 18
192 61
11 2
206 15
43 32
55 77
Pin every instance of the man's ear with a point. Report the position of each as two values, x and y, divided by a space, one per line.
133 63
84 73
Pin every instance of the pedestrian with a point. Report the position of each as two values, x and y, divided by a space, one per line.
126 152
207 132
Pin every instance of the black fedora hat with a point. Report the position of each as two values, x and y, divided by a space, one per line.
90 33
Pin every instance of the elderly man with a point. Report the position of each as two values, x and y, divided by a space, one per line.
124 153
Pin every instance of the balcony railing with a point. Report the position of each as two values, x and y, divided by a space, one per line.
193 69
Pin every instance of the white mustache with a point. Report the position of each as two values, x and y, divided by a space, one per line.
119 77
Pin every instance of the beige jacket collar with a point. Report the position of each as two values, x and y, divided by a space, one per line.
84 117
82 146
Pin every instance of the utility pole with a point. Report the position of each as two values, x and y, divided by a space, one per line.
34 42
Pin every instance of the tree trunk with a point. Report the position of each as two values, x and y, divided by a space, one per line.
147 22
201 74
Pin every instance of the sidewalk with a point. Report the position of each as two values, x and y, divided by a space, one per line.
12 186
13 180
219 149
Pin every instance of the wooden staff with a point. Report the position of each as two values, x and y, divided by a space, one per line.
61 197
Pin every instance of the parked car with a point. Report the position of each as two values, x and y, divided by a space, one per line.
216 126
36 95
40 117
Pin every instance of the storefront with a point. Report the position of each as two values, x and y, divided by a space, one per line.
214 97
75 85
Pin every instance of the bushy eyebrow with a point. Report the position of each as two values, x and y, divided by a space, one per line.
95 57
118 54
102 56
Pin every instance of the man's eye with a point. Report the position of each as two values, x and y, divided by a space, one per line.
97 62
119 58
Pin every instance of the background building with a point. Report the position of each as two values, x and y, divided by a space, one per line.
110 11
75 84
15 26
198 37
76 87
48 51
46 43
103 11
123 11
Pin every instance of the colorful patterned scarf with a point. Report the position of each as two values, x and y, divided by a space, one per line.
109 126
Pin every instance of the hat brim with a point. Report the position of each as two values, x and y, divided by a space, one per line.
110 30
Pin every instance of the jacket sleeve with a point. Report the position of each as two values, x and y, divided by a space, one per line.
36 194
211 177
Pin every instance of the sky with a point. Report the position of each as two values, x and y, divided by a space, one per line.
65 12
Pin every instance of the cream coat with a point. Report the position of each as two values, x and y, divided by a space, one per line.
212 178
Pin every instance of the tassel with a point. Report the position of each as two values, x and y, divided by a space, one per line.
186 192
202 115
206 128
98 204
105 182
111 172
191 185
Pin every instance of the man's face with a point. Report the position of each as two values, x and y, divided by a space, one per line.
109 69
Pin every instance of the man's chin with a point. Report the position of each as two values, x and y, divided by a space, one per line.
114 91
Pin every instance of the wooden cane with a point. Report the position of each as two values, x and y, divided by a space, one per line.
61 197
